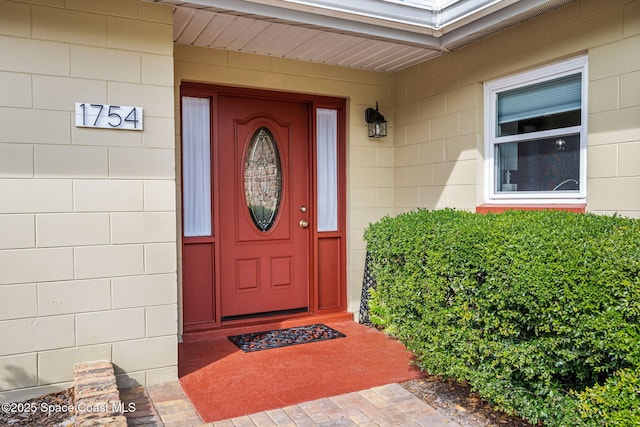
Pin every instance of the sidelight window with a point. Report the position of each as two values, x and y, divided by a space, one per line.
196 166
327 167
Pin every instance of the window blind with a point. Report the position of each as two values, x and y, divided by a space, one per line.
541 99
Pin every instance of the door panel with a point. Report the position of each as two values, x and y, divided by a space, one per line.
198 274
264 182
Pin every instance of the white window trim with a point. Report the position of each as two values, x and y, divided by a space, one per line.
491 90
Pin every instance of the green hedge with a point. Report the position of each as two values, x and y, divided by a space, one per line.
539 311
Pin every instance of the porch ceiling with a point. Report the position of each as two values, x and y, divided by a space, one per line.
379 35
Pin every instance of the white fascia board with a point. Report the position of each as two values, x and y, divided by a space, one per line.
416 16
463 12
385 13
311 16
458 32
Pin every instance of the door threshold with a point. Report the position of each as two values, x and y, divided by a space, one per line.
226 319
256 325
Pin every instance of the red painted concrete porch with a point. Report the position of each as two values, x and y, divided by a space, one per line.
223 382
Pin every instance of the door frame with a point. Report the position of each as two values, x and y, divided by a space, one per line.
327 250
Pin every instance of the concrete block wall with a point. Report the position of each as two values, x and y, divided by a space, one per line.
87 216
439 121
438 133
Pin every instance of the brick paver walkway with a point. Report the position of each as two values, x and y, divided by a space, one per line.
171 405
388 405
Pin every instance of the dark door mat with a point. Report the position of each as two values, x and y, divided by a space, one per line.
284 337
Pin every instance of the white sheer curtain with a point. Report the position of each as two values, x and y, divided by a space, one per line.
327 155
196 167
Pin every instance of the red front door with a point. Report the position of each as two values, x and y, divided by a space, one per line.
263 206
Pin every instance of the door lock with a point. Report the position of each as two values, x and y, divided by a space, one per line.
304 224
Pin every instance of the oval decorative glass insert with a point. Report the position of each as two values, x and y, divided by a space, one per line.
263 179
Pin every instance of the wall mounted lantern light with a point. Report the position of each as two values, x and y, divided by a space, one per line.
376 123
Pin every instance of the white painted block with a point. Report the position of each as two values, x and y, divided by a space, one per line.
105 64
160 258
144 291
17 231
15 90
162 375
68 26
53 161
160 195
57 366
162 320
108 261
61 93
73 297
36 334
143 227
143 163
36 265
108 196
18 371
72 229
18 301
16 160
42 195
144 354
109 326
34 56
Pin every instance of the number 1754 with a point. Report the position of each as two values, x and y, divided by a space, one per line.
108 116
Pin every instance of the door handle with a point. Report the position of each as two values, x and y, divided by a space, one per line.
303 224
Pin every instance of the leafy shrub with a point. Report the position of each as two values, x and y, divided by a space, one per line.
538 310
616 403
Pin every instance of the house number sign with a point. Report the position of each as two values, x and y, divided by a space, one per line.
108 116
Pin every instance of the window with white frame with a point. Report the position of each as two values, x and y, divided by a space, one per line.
535 135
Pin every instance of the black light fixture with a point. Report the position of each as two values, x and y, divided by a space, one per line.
376 123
